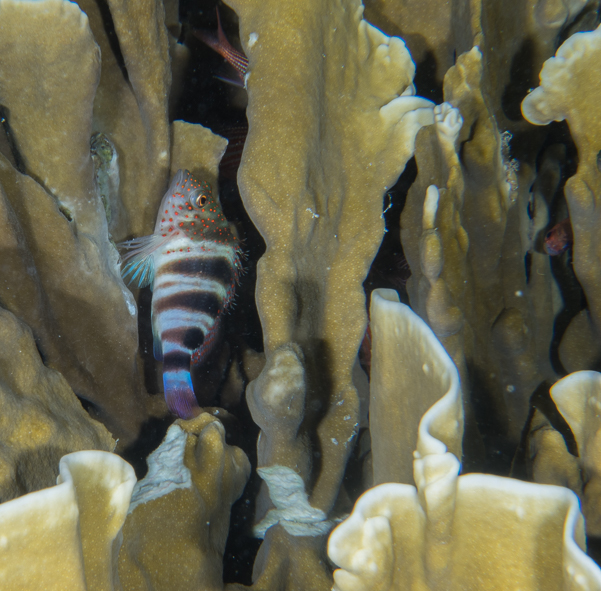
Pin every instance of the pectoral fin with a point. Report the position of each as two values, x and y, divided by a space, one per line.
137 266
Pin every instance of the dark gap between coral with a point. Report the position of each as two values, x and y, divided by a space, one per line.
109 27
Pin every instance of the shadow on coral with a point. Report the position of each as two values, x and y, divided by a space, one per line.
498 452
541 400
151 434
523 75
425 81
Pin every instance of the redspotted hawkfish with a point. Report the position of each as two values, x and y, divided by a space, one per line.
192 263
219 43
559 238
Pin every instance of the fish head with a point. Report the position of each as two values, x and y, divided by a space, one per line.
554 245
189 209
559 238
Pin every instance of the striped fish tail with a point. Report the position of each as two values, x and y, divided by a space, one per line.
179 393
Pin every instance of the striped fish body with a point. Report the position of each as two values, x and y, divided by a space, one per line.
192 263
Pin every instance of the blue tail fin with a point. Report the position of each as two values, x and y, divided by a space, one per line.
179 394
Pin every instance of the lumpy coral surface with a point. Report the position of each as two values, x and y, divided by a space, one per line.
404 392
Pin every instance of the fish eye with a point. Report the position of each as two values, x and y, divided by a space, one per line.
200 196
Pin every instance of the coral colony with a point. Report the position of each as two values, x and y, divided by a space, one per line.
401 394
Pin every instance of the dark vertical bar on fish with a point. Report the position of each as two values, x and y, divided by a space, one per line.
192 262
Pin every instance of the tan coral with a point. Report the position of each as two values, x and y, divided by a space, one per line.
321 218
461 231
196 149
178 521
437 32
332 123
133 110
61 267
72 278
426 27
41 418
549 460
513 60
578 399
406 359
277 400
505 534
64 81
326 139
63 259
567 92
468 532
67 536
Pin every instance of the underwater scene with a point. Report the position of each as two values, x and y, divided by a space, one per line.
300 295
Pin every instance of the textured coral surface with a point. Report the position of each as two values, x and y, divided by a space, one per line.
411 358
